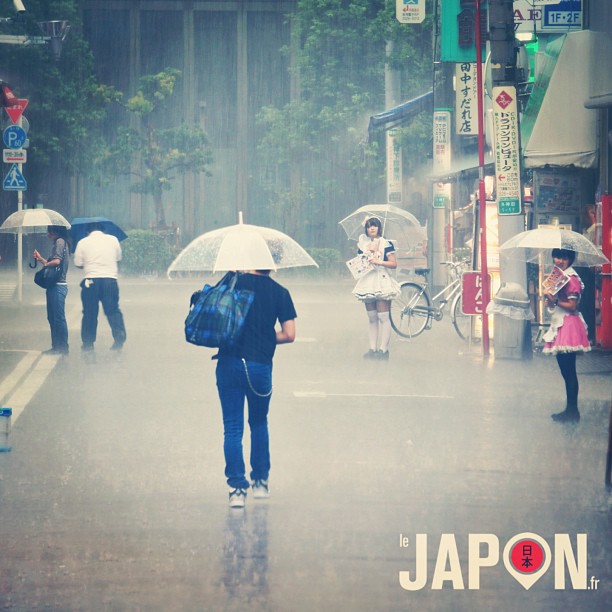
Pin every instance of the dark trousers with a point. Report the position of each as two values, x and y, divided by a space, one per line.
56 315
94 291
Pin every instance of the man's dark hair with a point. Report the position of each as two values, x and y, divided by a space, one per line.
93 227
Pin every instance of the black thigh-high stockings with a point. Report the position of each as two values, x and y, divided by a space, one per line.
567 365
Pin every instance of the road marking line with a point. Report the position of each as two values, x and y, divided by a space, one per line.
22 396
323 394
12 380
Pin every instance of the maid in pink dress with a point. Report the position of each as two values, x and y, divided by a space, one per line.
567 334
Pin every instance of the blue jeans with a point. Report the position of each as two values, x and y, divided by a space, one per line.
56 315
233 387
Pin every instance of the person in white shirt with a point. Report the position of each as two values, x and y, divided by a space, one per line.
98 254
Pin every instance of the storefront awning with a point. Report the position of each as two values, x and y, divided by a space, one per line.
600 94
563 131
464 168
403 112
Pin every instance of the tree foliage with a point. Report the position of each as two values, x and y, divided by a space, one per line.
154 156
66 104
340 52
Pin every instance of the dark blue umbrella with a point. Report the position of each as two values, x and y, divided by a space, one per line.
79 226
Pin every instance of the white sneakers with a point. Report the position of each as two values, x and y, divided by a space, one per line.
237 497
260 489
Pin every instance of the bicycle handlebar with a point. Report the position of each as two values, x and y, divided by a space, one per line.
455 264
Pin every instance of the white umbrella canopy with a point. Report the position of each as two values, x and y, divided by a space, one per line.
241 247
31 220
397 224
534 244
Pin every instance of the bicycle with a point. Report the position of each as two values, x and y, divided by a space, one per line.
412 312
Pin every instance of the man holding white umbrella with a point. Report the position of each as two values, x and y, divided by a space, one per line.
245 370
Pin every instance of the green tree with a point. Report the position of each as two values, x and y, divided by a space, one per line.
156 155
66 104
318 145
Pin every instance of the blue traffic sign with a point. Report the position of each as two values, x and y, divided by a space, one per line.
14 137
14 180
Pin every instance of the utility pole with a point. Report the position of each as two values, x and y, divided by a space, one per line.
504 75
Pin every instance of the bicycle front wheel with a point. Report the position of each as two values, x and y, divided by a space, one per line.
410 311
461 322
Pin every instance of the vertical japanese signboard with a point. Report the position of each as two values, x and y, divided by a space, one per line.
507 162
394 170
471 292
441 140
466 99
441 155
410 11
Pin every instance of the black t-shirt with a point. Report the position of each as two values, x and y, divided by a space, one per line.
272 303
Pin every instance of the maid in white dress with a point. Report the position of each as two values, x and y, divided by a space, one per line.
377 288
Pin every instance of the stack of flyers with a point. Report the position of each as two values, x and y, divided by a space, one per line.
555 281
359 266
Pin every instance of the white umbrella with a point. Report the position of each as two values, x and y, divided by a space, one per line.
534 245
31 220
397 224
241 247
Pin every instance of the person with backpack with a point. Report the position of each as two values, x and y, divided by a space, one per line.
244 370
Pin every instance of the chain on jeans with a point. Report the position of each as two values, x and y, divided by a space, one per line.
246 371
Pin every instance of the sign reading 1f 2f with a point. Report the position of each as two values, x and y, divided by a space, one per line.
507 163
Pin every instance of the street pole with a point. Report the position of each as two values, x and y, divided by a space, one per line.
20 235
482 194
503 74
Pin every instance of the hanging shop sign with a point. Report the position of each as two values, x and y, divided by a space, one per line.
507 162
410 11
442 195
466 99
441 141
441 156
394 169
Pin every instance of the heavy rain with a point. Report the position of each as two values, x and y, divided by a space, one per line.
414 464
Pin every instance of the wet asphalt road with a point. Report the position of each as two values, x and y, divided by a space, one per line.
113 496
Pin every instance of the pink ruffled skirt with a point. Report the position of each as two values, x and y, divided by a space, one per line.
570 337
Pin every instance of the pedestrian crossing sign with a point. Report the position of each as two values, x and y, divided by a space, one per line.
14 180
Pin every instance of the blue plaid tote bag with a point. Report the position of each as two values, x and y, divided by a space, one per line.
217 313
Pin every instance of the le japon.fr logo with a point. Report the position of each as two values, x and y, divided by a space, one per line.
526 557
